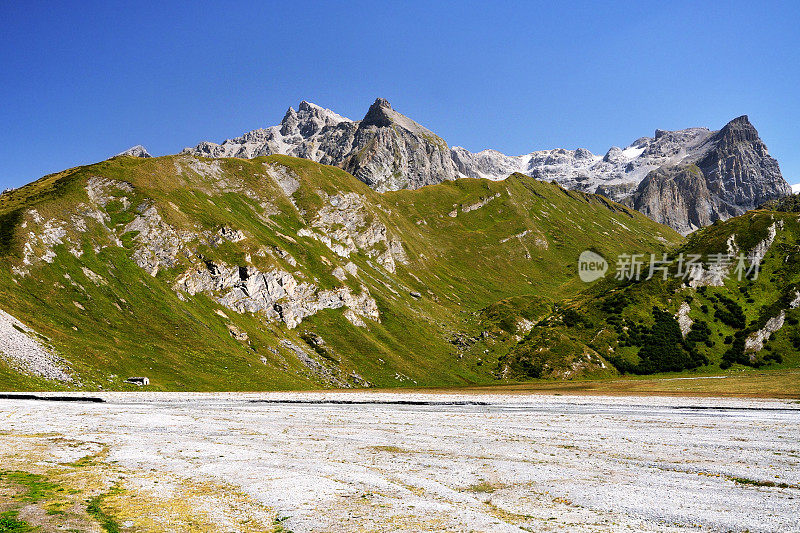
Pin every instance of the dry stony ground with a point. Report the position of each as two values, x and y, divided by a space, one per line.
182 462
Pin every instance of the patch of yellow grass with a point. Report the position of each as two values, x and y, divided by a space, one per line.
142 501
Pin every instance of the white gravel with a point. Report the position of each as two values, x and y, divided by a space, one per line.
509 463
23 351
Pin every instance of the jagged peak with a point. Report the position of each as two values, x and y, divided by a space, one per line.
289 113
305 105
309 119
742 120
135 151
739 130
380 114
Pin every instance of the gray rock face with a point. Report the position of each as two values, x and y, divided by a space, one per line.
391 151
686 179
276 294
678 197
729 173
386 150
20 347
135 151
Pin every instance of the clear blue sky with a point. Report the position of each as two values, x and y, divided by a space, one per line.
81 82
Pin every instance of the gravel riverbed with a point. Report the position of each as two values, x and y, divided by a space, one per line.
371 461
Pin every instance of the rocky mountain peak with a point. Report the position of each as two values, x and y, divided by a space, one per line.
380 114
717 176
308 120
389 151
739 130
135 151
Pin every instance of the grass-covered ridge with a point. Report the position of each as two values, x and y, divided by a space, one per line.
733 326
438 263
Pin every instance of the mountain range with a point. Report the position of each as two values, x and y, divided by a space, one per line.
331 253
686 179
279 272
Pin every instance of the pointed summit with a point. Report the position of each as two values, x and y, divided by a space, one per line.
289 122
380 114
308 120
740 132
135 151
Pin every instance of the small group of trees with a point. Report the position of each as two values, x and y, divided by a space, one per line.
662 346
729 312
736 354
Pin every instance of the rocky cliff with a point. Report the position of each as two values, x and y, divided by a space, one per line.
686 179
727 174
385 149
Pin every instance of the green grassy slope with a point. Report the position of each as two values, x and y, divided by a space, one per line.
69 271
634 326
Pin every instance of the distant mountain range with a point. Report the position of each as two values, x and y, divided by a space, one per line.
685 179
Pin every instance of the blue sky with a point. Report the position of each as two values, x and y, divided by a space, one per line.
81 82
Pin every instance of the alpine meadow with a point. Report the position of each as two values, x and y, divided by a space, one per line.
399 267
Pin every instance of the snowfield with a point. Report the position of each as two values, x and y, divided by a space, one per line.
457 462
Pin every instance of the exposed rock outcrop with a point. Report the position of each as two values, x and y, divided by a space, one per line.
756 255
717 272
21 348
684 320
160 245
276 294
755 341
346 226
135 151
726 175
